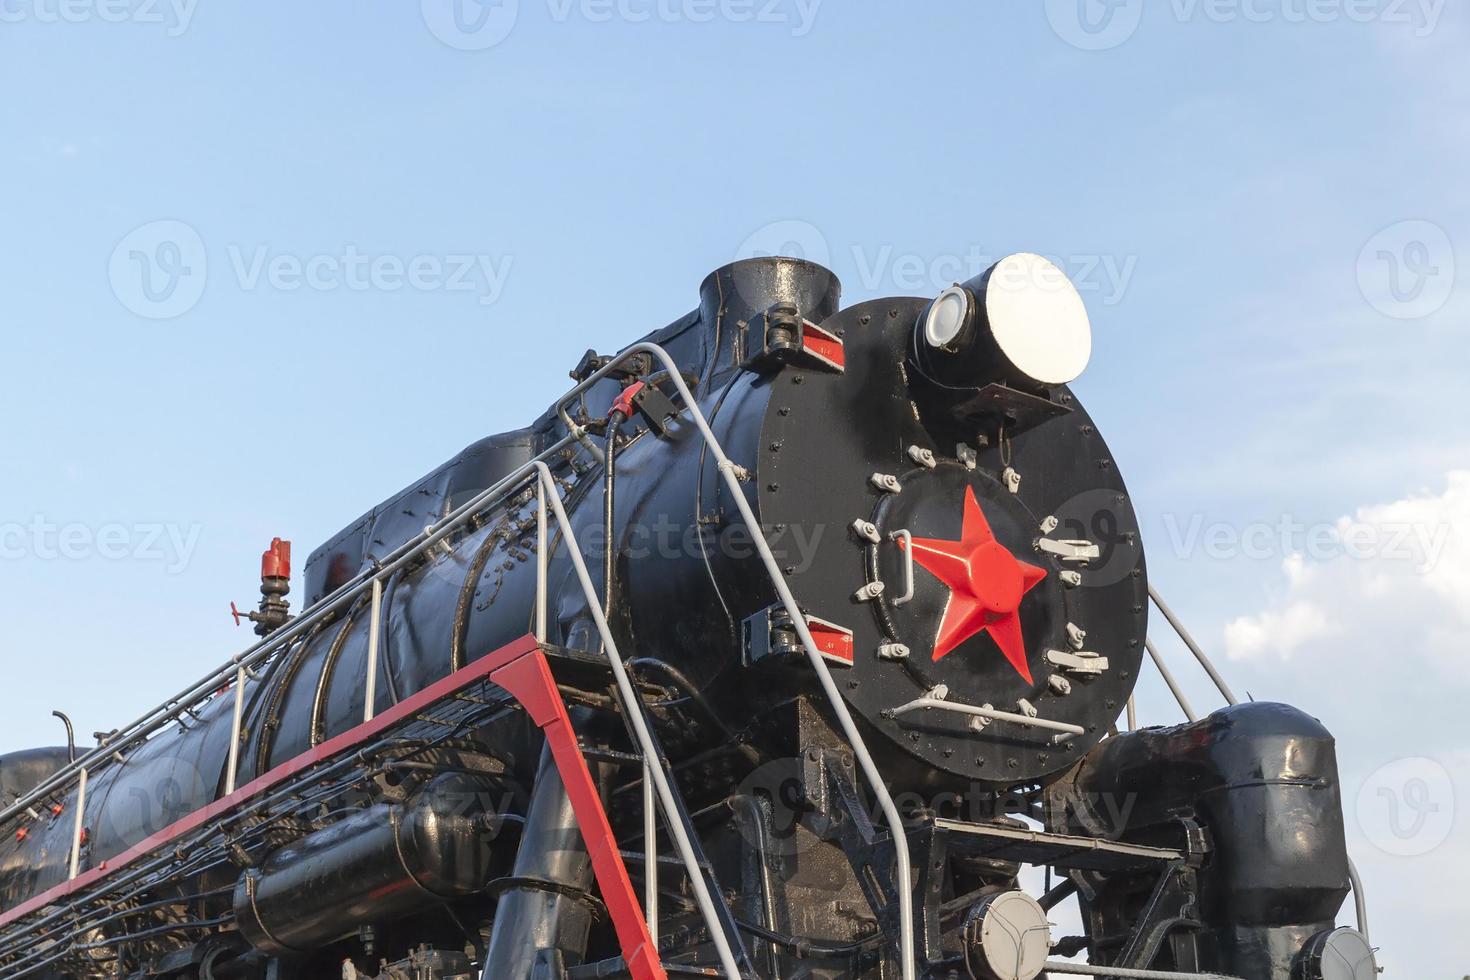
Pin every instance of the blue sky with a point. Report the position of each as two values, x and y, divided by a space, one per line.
399 234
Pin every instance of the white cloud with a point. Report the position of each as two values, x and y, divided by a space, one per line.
1395 577
1278 632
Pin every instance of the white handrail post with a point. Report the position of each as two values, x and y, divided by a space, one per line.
1194 648
650 852
76 832
1168 676
702 897
372 661
234 769
541 559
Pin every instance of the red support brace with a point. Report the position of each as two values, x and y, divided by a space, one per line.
521 669
527 676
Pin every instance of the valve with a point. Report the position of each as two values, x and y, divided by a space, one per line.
275 585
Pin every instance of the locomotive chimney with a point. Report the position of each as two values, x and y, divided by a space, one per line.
735 299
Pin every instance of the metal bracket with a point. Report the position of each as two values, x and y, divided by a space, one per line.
784 337
906 545
1079 551
769 633
1081 662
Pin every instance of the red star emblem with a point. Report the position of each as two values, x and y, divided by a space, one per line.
986 585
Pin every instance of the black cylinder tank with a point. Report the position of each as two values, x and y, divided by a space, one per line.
1262 779
384 862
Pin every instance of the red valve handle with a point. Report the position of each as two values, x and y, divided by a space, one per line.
624 402
238 614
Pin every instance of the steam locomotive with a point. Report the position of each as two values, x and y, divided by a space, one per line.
839 614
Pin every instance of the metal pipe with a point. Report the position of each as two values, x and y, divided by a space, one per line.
1132 713
609 486
1059 894
232 770
71 736
762 907
639 723
1169 679
1194 647
527 919
375 617
76 830
989 714
318 731
541 559
397 559
1088 970
1360 900
459 630
609 582
650 853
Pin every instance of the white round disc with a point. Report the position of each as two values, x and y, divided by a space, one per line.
1015 936
946 317
1038 318
1347 956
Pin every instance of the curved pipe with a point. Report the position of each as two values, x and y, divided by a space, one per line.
292 663
71 736
324 680
459 634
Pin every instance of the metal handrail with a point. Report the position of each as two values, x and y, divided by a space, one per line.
935 702
1168 676
1194 647
634 712
239 667
171 710
732 474
235 669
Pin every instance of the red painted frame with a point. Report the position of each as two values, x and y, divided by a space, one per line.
521 668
